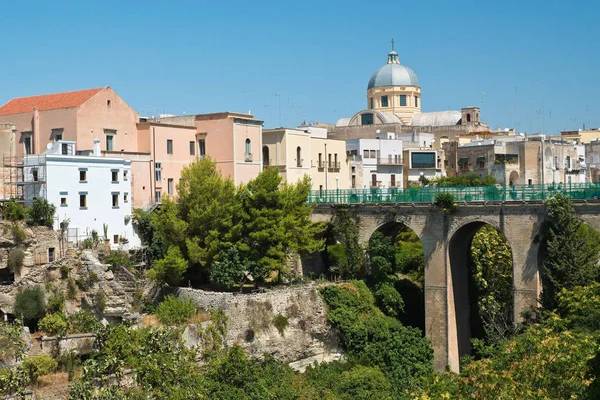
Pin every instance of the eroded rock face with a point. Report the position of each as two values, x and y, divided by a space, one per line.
300 337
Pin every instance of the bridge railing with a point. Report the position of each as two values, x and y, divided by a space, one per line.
580 191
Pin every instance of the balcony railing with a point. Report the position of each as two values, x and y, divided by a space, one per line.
334 165
389 161
248 157
321 164
299 163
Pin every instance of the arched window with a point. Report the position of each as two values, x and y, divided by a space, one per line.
266 160
468 117
298 156
248 152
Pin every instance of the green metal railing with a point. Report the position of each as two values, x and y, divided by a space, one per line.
580 191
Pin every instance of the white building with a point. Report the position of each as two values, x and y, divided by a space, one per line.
90 192
375 163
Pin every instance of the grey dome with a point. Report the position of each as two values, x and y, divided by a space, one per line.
394 75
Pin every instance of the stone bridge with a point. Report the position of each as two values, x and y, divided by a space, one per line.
446 240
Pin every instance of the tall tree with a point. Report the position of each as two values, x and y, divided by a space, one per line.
571 256
346 230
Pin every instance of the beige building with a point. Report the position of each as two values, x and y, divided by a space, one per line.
8 149
519 161
306 151
582 135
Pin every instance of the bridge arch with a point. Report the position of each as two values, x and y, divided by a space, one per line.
465 318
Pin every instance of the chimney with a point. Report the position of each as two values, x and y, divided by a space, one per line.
35 137
97 151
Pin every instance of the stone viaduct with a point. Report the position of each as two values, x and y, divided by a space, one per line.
446 240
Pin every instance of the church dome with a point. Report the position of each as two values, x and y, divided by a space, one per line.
393 74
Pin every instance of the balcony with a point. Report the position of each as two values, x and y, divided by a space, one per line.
334 165
321 164
389 161
299 163
248 157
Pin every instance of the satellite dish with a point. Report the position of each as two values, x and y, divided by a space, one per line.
377 131
49 146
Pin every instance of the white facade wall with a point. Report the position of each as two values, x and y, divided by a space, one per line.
380 157
62 175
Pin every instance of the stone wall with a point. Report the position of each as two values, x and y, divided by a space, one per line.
307 338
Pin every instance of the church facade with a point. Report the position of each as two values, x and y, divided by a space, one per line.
394 105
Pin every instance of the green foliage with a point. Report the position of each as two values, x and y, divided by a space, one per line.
54 324
230 270
15 259
88 281
470 179
18 233
571 257
364 383
100 301
170 269
69 363
13 211
492 273
119 258
375 339
12 347
382 254
146 225
64 271
29 304
56 303
83 321
346 229
71 289
280 322
410 258
446 202
173 310
389 300
14 381
39 366
580 307
41 213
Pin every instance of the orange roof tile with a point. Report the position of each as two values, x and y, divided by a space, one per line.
48 101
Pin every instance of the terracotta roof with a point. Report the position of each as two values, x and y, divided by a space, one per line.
48 101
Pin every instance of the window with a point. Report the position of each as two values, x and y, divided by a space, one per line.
115 175
371 103
366 119
320 160
320 190
373 154
265 155
568 163
108 103
125 174
63 201
115 200
64 149
353 169
170 186
403 100
335 160
169 146
329 161
125 197
34 174
393 180
157 172
555 162
468 117
115 239
298 156
27 143
110 139
374 180
384 101
201 148
248 150
423 160
82 200
353 181
416 101
51 252
82 175
365 153
57 134
192 148
157 196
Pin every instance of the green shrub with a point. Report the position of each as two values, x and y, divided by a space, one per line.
39 366
64 271
41 213
100 301
56 303
363 383
119 258
15 259
54 324
14 211
389 300
29 304
71 289
18 233
445 201
69 363
83 321
170 269
173 310
280 322
88 281
11 346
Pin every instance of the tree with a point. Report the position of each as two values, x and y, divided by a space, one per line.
410 257
230 270
382 258
41 213
346 230
13 211
29 305
170 269
571 254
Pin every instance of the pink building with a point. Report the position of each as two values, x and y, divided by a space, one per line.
234 140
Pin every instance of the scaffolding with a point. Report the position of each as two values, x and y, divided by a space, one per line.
24 180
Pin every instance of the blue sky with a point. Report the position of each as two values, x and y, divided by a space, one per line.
528 64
